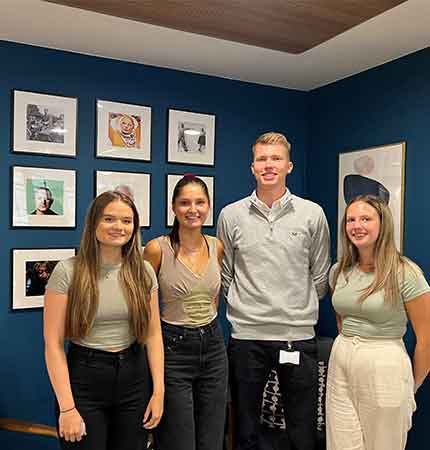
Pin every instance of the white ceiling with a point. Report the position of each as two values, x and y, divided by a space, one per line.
397 32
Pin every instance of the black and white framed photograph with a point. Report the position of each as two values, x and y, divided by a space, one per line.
123 131
44 124
31 269
43 197
136 185
171 183
191 138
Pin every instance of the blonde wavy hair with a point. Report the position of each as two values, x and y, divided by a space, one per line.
83 293
389 263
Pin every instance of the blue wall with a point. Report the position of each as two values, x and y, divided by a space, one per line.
384 105
242 112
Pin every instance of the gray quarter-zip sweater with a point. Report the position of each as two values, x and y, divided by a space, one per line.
275 267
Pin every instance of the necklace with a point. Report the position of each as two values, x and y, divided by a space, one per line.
196 249
193 257
190 250
107 276
108 272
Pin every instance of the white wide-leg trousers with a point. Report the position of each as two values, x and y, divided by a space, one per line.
370 394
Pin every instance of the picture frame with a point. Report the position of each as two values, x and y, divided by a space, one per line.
171 180
44 124
378 171
43 197
123 131
31 269
136 185
191 138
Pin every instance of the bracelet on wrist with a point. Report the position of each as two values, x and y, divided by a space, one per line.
67 410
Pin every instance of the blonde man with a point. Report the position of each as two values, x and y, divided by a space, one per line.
274 272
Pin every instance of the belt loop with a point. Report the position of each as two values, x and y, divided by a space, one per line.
90 354
213 326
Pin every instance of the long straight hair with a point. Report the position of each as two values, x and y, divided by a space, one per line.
184 181
83 293
389 263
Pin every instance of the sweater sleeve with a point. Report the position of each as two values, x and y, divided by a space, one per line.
320 255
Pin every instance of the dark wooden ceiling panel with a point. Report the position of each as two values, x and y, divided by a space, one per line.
291 26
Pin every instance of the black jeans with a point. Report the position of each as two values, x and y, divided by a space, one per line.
250 363
195 389
111 391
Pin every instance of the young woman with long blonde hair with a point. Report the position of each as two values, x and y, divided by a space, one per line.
371 381
105 302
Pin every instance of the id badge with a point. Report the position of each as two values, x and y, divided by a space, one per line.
289 356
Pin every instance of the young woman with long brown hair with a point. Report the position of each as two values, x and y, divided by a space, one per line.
187 263
105 302
371 382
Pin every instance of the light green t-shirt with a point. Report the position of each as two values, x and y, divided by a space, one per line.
373 318
111 329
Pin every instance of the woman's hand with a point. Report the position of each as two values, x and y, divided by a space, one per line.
153 412
155 352
71 426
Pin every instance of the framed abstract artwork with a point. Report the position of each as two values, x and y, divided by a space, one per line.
378 171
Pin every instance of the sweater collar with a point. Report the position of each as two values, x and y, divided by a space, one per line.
277 205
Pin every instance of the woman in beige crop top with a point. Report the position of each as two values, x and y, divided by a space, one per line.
371 381
187 264
105 302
